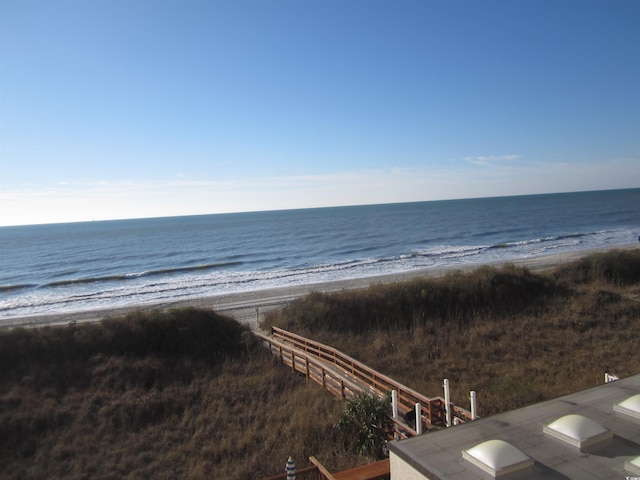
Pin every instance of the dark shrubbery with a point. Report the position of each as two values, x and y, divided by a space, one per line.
192 333
364 425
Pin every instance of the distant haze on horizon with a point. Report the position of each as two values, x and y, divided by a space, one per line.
136 109
285 209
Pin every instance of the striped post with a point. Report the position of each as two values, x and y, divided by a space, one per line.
290 468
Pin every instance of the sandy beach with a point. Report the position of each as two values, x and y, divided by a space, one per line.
249 307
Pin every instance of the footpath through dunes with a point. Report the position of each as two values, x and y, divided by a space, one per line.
348 378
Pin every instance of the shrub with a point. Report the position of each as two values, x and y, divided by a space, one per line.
364 424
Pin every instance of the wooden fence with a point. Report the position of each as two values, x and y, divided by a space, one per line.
307 473
312 368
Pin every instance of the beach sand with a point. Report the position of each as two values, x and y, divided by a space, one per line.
249 307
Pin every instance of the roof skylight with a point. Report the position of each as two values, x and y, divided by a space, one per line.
497 458
633 466
629 408
578 431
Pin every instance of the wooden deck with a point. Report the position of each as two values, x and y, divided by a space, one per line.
372 471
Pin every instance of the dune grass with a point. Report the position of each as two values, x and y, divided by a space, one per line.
514 336
188 393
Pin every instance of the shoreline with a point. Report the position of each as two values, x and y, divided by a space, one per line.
248 307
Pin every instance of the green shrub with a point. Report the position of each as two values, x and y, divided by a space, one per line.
364 425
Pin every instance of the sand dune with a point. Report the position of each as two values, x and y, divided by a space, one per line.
248 307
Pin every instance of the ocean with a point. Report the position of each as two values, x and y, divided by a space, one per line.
59 268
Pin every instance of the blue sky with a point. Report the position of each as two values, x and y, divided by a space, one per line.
138 108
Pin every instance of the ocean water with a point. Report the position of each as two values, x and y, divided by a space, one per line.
61 268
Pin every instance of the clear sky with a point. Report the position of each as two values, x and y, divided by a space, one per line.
138 108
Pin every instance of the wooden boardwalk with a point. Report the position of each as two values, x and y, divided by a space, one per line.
346 378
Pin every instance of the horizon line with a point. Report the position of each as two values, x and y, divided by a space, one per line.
150 217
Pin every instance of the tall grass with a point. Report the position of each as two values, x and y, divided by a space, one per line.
615 267
177 333
513 336
458 297
184 394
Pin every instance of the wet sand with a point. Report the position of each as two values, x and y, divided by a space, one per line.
249 307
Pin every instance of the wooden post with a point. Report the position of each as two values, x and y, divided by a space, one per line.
321 468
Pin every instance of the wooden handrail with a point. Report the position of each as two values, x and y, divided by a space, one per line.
323 471
312 368
315 370
308 473
432 408
293 347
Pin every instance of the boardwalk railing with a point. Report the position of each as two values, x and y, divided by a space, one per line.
308 473
312 368
315 472
301 353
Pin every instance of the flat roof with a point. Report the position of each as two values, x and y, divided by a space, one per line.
438 455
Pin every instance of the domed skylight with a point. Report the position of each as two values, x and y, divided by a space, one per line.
629 408
578 431
497 458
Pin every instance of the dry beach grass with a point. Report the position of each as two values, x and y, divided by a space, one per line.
514 336
186 394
